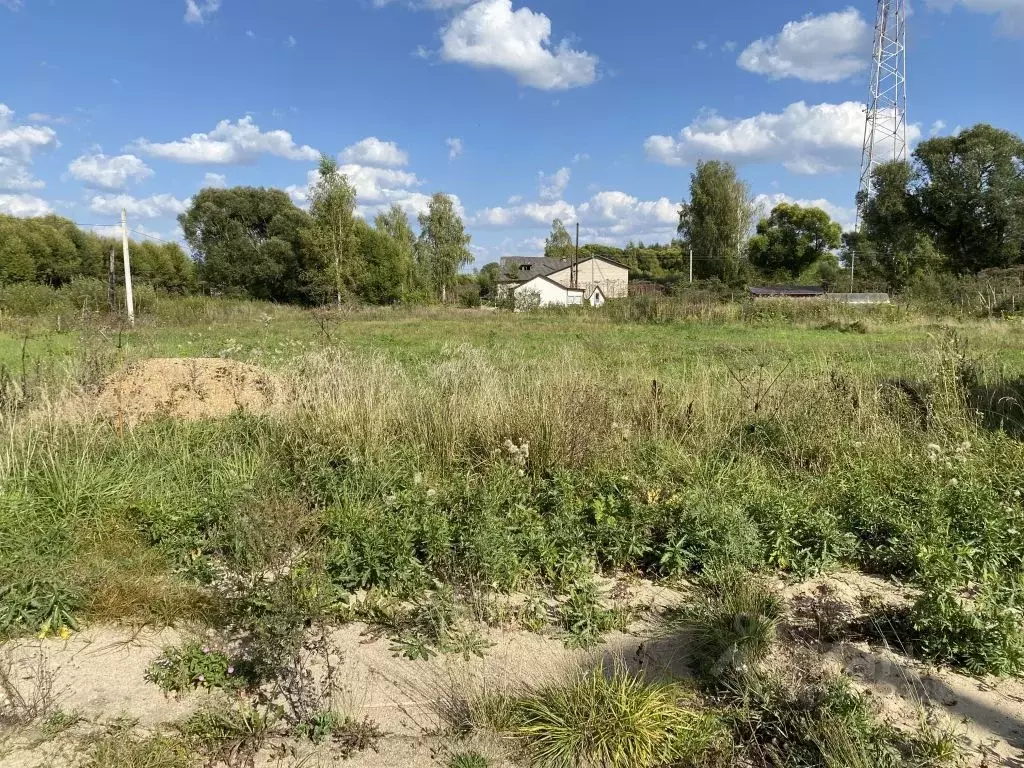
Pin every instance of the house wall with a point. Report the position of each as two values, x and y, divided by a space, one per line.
550 295
613 280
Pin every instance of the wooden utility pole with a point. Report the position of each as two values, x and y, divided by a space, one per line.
129 300
112 283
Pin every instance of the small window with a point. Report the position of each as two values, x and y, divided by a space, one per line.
524 267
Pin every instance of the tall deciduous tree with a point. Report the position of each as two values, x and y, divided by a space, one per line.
444 243
247 240
891 246
971 197
791 239
395 224
558 244
330 236
717 220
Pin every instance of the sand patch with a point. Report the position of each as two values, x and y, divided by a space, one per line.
189 389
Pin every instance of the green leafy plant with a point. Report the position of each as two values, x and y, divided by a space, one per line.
585 621
230 733
39 606
193 665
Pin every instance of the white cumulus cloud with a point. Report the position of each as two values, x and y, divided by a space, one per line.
198 11
15 177
1010 12
373 151
229 143
105 172
821 49
552 186
455 148
218 180
24 206
805 139
489 34
152 207
20 142
844 216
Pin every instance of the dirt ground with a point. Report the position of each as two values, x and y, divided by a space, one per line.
99 673
183 388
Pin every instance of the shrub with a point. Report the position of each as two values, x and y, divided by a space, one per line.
468 760
983 635
229 733
192 665
615 719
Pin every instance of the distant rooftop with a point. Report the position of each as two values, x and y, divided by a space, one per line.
790 291
522 268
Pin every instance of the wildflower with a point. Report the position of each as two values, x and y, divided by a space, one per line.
431 493
65 632
231 670
206 649
201 679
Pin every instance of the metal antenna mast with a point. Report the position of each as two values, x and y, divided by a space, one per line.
885 127
885 124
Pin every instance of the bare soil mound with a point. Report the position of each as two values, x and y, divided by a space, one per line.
188 389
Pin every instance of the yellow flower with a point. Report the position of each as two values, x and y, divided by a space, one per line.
65 633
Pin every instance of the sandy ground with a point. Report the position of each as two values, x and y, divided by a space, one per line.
99 673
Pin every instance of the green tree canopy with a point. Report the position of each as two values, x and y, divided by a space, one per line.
394 222
716 220
559 244
891 247
970 193
247 240
792 239
444 243
333 267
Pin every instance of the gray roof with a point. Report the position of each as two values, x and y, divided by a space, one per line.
511 267
787 290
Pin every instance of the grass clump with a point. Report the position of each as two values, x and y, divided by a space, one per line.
37 606
121 748
468 760
611 718
732 623
192 665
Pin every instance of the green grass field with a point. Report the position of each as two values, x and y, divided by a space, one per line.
434 457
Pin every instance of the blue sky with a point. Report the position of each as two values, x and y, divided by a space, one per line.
590 110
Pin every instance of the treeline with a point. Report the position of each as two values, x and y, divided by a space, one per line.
53 251
255 242
956 208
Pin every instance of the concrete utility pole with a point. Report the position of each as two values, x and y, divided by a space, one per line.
111 283
691 263
129 300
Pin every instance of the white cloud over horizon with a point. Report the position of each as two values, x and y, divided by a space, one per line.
805 139
1009 13
238 143
373 151
819 49
153 207
105 172
24 206
199 11
553 186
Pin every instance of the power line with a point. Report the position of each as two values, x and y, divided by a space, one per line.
153 237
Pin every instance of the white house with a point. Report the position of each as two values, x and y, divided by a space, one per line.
598 279
542 291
